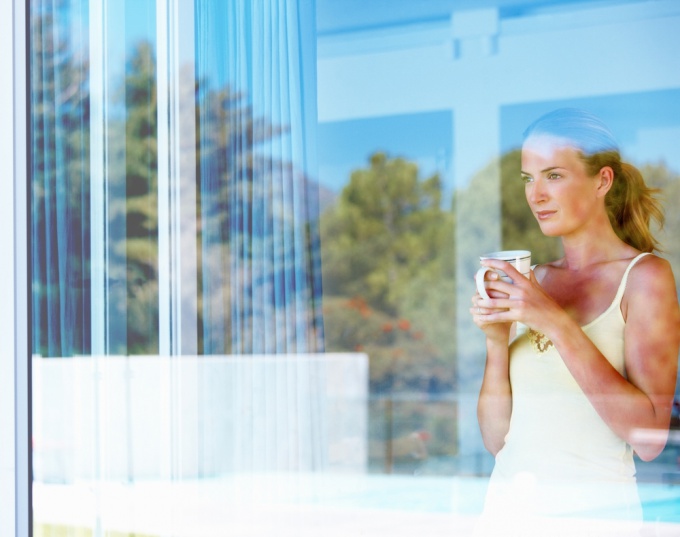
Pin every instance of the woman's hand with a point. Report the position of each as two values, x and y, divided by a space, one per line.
494 405
523 301
495 331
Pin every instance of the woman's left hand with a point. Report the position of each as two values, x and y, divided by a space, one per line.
526 301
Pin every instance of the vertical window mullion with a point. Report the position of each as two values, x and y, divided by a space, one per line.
166 340
15 364
176 187
98 179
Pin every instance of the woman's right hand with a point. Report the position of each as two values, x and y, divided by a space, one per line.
495 331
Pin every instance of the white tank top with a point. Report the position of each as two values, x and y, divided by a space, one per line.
560 458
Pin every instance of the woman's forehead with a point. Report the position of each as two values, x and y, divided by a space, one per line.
549 151
547 144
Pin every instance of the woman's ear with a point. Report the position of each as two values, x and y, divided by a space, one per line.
606 179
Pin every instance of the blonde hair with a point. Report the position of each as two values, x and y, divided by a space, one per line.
630 203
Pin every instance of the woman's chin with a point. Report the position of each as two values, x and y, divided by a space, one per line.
549 229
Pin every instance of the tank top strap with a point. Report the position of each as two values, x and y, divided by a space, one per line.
624 280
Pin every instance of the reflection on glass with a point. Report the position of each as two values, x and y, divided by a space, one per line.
258 205
180 229
176 213
60 200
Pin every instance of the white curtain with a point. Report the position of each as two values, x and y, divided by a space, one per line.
258 201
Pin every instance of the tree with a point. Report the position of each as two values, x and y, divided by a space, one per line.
387 250
138 246
387 227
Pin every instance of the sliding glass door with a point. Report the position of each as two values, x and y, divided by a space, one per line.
246 247
175 267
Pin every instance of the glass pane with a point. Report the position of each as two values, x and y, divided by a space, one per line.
254 232
178 338
415 92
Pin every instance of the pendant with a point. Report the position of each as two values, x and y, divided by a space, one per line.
539 342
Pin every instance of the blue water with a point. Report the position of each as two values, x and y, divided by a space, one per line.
459 495
660 502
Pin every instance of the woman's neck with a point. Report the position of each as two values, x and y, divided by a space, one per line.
593 247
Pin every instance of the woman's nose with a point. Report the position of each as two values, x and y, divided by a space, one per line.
536 192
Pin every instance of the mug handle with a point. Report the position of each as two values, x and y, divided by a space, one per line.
479 280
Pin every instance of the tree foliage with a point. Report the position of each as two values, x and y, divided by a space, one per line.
387 250
139 201
387 227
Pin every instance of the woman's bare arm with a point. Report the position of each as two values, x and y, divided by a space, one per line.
636 407
495 397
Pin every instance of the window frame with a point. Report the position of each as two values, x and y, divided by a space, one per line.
15 363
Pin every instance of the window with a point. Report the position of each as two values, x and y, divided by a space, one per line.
250 229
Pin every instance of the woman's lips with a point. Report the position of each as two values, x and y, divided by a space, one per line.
543 215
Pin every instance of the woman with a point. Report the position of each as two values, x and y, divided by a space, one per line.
582 356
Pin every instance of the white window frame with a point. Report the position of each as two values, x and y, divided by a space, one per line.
15 426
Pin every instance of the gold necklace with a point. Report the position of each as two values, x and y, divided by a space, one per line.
539 342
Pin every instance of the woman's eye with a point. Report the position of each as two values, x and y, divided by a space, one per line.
554 176
527 179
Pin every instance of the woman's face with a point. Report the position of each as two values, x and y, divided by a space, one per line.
560 193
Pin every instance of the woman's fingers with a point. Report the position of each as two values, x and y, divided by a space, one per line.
506 267
484 307
500 289
510 271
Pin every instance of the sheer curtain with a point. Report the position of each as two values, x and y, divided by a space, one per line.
175 246
60 180
260 277
259 260
259 285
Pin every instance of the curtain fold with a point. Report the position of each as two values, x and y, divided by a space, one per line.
260 276
60 181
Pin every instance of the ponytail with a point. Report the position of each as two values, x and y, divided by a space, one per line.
631 205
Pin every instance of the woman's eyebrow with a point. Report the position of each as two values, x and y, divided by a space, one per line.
545 170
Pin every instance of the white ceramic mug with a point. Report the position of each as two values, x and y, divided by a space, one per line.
520 259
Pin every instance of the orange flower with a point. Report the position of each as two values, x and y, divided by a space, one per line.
404 324
359 304
387 328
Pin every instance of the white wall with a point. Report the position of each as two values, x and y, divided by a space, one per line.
147 418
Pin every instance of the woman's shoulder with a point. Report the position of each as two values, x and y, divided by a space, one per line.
650 271
650 281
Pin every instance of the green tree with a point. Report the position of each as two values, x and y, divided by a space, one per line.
387 250
387 227
658 175
140 201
